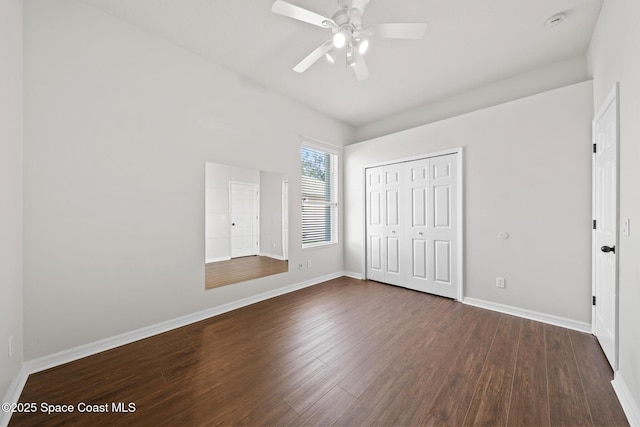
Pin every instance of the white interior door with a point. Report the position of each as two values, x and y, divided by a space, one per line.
245 221
605 233
411 224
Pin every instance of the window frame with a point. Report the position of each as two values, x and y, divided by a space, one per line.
333 204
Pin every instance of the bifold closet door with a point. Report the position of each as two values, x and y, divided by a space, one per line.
412 224
374 224
385 231
432 226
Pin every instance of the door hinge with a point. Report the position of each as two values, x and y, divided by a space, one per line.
594 148
593 300
594 225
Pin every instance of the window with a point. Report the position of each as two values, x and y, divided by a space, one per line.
319 197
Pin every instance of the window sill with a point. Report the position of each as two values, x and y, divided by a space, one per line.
319 246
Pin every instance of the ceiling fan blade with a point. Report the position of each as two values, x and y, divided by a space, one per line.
360 68
400 31
361 5
296 12
313 57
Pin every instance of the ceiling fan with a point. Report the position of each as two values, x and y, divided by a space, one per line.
348 33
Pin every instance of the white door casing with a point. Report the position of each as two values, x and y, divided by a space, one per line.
245 221
605 230
412 224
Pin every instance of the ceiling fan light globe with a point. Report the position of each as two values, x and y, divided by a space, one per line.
363 46
339 39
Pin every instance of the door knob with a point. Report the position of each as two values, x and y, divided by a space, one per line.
233 223
606 249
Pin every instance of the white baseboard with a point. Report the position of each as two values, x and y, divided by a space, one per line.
629 406
274 256
66 356
353 275
531 315
13 394
224 258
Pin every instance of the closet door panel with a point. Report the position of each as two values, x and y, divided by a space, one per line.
419 259
375 253
442 261
393 208
394 176
418 207
442 206
443 229
393 255
375 219
417 217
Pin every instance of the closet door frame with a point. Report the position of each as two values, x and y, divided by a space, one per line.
459 214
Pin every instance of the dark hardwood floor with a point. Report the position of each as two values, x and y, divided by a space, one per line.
345 352
241 269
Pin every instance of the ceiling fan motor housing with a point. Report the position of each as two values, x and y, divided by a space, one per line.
348 33
347 20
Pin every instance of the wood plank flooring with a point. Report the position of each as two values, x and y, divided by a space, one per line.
241 269
345 352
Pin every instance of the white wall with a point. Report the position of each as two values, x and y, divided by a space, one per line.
10 190
614 56
552 76
118 126
528 172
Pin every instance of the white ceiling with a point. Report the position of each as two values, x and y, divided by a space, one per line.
469 43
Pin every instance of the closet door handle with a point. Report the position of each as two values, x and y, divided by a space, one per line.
393 231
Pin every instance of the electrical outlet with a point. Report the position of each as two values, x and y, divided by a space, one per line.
10 351
500 282
300 266
308 264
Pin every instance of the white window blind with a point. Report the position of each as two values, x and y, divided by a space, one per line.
319 197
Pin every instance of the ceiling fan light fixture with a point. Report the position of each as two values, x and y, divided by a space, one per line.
349 32
340 39
363 46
